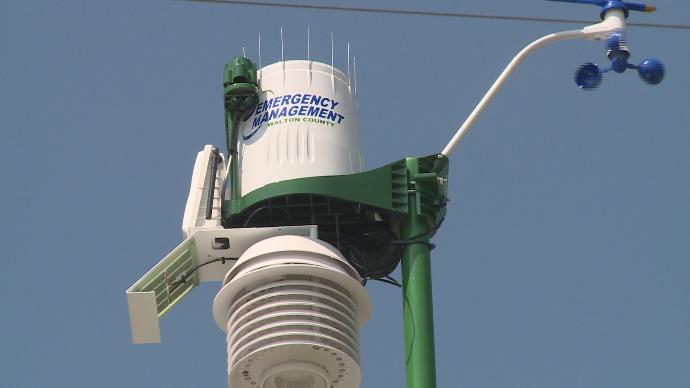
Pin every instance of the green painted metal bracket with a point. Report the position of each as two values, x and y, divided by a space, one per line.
428 182
384 187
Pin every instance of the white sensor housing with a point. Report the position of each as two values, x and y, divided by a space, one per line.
292 307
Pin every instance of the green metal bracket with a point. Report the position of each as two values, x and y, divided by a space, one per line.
384 187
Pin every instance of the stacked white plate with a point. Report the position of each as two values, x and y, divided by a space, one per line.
292 307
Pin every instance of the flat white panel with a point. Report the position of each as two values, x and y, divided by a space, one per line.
143 317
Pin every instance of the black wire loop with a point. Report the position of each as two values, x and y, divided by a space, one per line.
412 242
183 278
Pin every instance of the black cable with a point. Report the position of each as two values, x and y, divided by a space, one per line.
418 239
413 242
428 13
190 272
389 280
384 280
355 257
355 260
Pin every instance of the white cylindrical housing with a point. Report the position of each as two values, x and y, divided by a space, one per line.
292 307
304 125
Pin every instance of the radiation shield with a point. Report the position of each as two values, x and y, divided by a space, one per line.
291 308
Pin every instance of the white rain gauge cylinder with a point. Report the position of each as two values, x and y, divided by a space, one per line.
292 307
304 125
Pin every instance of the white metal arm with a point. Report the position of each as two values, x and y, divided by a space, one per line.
614 20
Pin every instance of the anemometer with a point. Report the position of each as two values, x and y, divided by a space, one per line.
293 226
651 70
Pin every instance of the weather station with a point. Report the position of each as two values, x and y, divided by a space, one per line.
293 227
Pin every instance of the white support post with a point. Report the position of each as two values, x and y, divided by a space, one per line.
614 20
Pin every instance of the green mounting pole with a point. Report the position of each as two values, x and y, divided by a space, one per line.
418 313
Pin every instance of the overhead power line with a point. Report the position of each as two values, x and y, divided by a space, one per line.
392 11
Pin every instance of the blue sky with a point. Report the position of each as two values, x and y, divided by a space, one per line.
564 260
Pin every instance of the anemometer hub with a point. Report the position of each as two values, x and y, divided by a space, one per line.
589 75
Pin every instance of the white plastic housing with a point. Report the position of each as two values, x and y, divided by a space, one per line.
304 125
292 307
195 211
